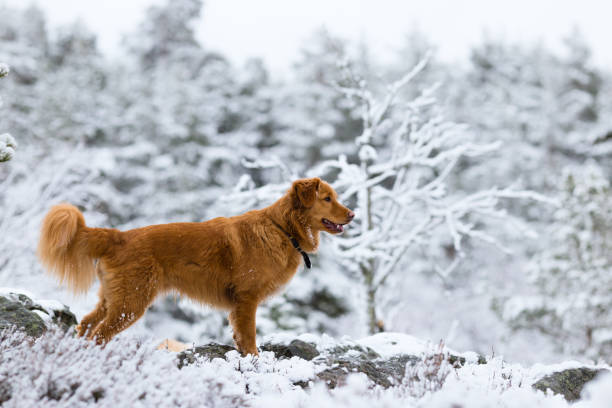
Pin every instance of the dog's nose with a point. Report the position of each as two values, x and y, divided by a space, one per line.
350 215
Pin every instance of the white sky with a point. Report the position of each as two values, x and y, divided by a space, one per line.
275 29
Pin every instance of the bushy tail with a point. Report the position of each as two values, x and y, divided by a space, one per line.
67 248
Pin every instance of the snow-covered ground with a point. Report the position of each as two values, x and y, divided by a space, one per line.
59 370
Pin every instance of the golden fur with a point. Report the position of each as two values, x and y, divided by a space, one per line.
231 263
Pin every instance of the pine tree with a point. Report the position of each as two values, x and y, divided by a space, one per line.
167 34
572 278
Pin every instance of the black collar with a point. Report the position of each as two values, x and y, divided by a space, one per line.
295 244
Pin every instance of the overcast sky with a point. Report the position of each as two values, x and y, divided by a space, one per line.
275 29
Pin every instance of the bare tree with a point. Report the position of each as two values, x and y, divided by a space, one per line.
407 152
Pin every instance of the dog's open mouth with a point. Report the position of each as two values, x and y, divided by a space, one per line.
333 227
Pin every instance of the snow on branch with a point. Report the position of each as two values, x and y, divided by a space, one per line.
374 111
7 142
269 163
4 70
7 147
246 196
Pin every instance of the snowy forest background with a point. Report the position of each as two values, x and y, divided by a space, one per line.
482 190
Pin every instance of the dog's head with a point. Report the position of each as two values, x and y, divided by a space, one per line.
319 203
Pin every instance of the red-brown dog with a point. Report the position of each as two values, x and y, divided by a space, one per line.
231 263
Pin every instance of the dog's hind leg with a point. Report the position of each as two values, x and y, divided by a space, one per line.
114 322
127 298
91 320
119 316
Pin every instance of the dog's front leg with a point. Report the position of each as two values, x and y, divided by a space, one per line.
242 319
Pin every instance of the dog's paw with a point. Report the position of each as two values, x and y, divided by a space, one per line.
254 353
245 351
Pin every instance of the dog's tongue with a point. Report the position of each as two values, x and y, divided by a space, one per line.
333 226
337 227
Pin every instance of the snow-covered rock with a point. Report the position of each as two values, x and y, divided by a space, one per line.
20 310
569 382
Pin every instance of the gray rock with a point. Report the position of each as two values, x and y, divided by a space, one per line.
209 351
347 359
568 383
385 373
297 348
353 358
458 361
18 310
354 351
16 314
341 361
64 318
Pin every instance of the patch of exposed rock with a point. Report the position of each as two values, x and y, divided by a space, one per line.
19 311
336 363
568 383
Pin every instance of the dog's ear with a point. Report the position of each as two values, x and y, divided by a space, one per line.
305 190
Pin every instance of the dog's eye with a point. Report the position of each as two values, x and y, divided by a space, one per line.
328 199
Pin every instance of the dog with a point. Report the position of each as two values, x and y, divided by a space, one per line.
229 263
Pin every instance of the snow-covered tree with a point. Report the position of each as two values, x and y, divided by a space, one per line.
572 278
310 121
24 40
407 151
545 107
167 33
600 134
7 142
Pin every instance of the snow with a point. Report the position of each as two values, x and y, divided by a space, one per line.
131 371
48 304
391 344
5 291
597 394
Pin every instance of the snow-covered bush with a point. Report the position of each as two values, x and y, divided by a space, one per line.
59 370
7 147
7 142
572 278
428 377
